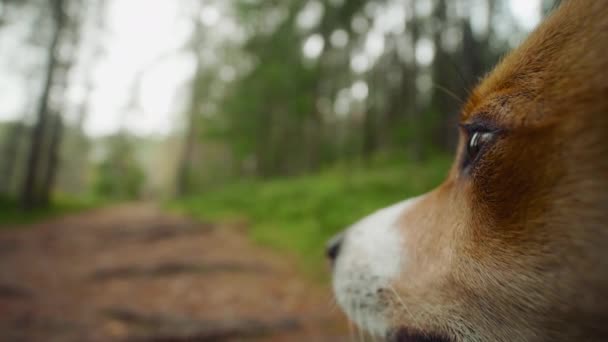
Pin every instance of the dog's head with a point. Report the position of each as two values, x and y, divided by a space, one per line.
513 246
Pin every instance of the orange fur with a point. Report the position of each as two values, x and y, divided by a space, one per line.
516 249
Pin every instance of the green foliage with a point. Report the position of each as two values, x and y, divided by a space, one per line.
112 182
300 214
11 214
119 176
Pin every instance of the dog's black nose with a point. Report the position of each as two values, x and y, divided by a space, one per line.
333 247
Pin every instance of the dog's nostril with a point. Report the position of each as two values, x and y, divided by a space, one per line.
333 247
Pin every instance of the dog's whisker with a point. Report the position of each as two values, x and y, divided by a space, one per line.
401 302
332 303
449 93
351 333
358 321
357 324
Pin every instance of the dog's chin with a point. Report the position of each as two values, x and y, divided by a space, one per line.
406 335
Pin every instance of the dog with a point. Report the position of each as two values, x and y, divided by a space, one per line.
513 246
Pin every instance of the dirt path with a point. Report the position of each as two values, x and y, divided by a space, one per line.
133 273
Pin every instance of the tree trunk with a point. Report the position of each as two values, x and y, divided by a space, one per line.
10 153
183 177
415 115
49 176
29 198
471 55
445 89
369 135
183 181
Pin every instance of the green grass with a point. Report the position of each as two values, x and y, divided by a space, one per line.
11 214
300 214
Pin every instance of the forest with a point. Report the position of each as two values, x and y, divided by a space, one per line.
258 91
274 89
288 119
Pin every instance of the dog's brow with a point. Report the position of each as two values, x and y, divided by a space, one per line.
468 109
482 121
485 111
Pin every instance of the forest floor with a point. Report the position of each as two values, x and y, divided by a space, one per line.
136 273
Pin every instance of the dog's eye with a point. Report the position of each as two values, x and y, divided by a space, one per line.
477 141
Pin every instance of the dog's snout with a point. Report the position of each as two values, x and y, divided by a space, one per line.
333 247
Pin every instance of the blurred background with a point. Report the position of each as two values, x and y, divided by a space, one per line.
169 168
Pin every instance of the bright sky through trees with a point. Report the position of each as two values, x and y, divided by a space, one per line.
151 44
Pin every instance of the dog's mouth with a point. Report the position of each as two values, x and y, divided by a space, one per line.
407 335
